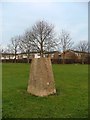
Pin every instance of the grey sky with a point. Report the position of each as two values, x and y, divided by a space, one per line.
18 16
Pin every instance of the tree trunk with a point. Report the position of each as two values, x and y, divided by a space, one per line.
82 57
63 57
41 82
15 58
82 60
41 49
28 58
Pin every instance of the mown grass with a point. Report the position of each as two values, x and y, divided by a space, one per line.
0 90
71 100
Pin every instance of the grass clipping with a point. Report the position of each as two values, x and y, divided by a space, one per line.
41 82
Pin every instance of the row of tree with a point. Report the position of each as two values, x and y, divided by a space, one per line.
41 38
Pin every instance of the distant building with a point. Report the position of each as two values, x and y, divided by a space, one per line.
71 56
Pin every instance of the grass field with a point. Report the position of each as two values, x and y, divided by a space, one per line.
71 100
0 90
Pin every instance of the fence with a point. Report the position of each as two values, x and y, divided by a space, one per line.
54 61
24 60
70 61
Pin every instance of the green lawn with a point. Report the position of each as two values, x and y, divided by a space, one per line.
71 100
0 90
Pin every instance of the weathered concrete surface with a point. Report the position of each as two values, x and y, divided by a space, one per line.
41 82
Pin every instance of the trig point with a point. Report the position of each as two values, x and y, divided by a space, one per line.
41 82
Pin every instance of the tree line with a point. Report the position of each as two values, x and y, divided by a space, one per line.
41 38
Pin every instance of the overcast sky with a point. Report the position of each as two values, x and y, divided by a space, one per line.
18 16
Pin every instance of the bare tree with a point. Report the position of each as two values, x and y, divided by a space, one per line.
88 46
0 52
83 47
0 49
65 42
42 37
13 46
25 44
